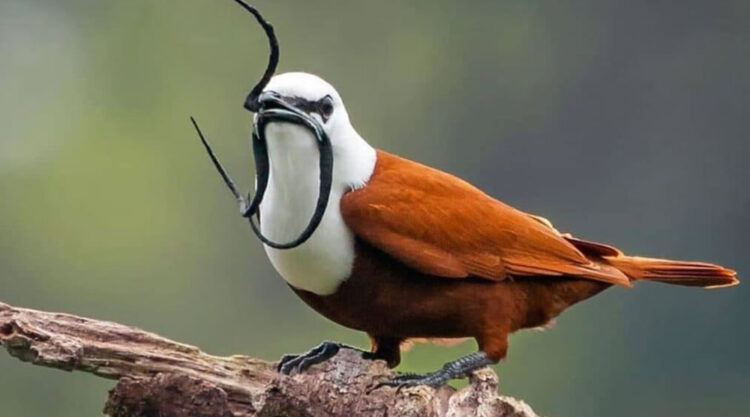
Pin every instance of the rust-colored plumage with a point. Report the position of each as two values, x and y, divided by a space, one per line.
438 258
412 252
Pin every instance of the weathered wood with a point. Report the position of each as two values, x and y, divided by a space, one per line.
160 377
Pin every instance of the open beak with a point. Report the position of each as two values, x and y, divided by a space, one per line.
274 108
269 100
266 100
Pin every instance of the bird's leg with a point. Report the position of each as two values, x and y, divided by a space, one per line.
385 348
460 368
319 354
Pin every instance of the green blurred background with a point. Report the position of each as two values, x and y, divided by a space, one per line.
623 121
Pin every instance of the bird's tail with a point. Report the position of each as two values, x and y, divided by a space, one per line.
691 274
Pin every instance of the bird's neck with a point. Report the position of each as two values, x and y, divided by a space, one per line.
324 261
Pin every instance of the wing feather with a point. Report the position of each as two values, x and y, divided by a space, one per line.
441 225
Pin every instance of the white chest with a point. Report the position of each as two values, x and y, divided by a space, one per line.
325 260
321 263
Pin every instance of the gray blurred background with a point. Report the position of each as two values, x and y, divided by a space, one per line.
621 121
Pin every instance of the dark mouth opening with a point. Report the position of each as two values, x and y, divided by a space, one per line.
274 104
271 106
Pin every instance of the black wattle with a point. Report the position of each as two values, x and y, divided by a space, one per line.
260 153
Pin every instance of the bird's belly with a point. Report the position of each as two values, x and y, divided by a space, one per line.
386 298
383 297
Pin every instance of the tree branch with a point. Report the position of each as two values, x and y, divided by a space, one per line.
159 377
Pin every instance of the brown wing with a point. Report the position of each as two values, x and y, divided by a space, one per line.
441 225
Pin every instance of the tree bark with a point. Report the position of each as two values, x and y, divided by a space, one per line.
160 377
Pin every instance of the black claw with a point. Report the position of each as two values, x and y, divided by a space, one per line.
287 367
314 356
327 352
284 359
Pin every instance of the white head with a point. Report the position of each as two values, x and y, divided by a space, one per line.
320 100
309 92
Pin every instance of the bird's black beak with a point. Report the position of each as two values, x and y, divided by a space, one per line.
270 100
266 99
271 105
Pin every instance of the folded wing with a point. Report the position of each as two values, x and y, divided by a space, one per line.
443 226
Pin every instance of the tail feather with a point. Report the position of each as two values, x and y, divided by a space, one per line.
692 274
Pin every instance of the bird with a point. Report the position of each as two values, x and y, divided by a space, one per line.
406 251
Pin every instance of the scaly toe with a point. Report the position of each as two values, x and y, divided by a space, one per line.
290 365
284 360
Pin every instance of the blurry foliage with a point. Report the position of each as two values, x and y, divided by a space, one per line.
624 122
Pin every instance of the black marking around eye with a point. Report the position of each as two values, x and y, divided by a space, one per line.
322 106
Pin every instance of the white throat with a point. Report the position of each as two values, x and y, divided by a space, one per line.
325 260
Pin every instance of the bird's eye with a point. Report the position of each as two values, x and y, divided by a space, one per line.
326 107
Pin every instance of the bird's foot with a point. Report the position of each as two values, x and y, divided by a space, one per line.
460 368
319 354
